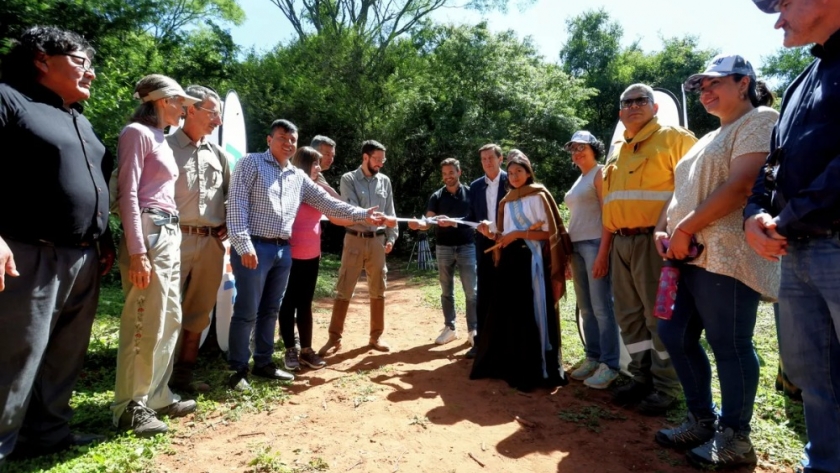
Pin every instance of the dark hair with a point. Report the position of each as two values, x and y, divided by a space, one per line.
521 160
202 92
370 146
146 113
451 162
304 158
282 124
18 65
597 148
321 140
759 93
497 150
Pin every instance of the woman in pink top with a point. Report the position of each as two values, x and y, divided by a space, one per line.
306 257
149 260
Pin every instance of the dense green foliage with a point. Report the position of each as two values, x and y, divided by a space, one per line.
372 69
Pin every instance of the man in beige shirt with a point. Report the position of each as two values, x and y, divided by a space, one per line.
200 194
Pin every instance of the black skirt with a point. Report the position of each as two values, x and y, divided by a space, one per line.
509 343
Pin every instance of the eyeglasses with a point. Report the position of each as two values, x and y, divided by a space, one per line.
86 64
213 113
378 160
576 147
638 102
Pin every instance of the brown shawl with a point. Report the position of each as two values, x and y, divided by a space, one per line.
559 243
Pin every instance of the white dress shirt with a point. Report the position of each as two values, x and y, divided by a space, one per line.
491 193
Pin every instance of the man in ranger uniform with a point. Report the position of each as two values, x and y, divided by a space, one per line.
638 182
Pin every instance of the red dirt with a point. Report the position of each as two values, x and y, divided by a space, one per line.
419 412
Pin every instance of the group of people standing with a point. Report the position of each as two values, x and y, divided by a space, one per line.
739 225
177 200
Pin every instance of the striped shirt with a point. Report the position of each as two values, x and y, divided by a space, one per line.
264 199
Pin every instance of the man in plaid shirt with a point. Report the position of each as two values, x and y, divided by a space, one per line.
264 196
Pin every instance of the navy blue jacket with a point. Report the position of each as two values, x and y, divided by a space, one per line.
805 152
478 207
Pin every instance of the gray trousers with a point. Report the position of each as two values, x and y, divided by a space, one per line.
46 315
635 266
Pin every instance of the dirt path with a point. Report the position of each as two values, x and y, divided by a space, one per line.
415 410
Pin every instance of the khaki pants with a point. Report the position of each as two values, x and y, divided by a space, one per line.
202 261
635 266
368 254
362 253
150 323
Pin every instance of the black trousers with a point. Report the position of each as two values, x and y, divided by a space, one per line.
46 315
486 278
298 299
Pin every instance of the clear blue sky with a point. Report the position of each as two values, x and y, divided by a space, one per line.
735 26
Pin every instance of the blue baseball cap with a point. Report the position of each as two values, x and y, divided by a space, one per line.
768 6
720 66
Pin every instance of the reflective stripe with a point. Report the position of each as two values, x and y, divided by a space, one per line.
660 196
639 347
663 355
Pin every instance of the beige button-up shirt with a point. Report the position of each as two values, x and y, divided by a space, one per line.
202 186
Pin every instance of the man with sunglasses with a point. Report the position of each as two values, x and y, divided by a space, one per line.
51 256
638 182
794 215
200 194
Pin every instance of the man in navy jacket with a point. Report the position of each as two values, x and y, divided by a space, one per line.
485 194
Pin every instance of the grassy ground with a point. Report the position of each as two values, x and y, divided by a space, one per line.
778 429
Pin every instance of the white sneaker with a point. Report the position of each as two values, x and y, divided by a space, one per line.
446 336
471 337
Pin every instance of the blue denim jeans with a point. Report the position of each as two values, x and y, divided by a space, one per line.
259 293
726 308
462 256
594 298
809 323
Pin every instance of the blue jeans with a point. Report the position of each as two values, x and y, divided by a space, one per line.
594 298
726 308
464 257
809 317
259 293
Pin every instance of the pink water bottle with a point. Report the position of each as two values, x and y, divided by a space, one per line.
666 294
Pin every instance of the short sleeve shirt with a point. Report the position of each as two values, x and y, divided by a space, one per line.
699 174
452 205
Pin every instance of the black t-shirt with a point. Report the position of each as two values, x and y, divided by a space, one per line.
54 167
442 202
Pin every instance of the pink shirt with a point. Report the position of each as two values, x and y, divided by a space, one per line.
146 179
306 233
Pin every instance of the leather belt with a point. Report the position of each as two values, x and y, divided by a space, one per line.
634 231
364 234
163 215
200 231
273 241
816 234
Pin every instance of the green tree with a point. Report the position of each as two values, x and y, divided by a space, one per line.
594 54
785 65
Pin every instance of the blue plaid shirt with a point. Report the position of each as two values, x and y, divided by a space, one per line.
263 200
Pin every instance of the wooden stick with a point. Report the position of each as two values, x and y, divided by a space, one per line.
251 434
476 459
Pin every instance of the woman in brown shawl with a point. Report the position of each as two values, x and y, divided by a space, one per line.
522 345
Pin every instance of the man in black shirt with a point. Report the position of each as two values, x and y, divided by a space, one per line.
54 230
794 215
454 248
